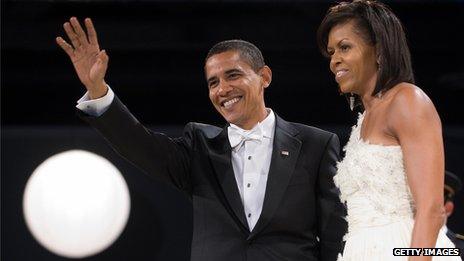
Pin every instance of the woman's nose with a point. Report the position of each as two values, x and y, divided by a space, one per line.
335 60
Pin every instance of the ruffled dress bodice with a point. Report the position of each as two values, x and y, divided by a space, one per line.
373 183
380 208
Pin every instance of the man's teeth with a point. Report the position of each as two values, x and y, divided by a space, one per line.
230 102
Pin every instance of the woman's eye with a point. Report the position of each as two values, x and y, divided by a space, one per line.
345 47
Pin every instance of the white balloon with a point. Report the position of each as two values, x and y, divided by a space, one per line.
76 204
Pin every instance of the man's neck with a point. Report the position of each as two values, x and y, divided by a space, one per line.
252 123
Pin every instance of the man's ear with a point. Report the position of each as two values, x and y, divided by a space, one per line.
266 76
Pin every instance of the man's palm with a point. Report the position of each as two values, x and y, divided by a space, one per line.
89 62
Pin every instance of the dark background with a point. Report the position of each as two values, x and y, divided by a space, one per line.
156 50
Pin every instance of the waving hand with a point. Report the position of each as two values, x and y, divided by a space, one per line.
89 61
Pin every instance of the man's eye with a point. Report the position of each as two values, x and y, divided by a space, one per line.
234 76
211 85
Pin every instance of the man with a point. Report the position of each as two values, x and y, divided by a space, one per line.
452 186
261 187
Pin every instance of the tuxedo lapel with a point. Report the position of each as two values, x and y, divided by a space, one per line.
220 155
286 149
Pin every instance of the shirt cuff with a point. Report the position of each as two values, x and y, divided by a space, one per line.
95 107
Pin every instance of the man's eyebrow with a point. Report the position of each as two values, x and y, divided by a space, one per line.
233 71
228 72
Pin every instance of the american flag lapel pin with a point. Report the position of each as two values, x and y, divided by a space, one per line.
284 152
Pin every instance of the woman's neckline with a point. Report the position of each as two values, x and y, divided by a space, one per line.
366 141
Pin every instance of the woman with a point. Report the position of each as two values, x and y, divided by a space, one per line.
391 178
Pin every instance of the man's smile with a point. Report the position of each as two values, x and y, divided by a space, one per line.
228 103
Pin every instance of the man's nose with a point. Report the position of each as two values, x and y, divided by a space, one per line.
223 88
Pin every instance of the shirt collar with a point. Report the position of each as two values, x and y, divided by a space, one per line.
267 125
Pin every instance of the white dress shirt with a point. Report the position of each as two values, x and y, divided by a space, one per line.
251 158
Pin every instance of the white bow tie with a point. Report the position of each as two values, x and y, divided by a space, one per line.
237 136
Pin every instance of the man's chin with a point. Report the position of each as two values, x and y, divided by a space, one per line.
233 120
229 117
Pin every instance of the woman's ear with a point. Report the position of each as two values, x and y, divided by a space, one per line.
378 55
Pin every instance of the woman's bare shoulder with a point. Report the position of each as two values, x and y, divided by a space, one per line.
408 104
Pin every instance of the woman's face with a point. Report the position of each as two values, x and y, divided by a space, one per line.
352 59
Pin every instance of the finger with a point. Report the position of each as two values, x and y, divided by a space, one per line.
102 63
71 35
91 31
65 46
103 57
79 31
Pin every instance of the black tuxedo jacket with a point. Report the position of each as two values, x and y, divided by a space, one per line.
302 217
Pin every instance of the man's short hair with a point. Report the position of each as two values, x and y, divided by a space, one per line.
247 51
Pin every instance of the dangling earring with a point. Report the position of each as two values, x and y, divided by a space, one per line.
351 101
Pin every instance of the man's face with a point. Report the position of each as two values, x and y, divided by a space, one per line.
235 89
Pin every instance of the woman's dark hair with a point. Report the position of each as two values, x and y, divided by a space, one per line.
379 27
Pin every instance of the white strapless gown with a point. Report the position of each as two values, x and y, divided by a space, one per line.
373 184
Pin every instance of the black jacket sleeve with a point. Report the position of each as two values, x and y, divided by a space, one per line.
154 153
331 223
